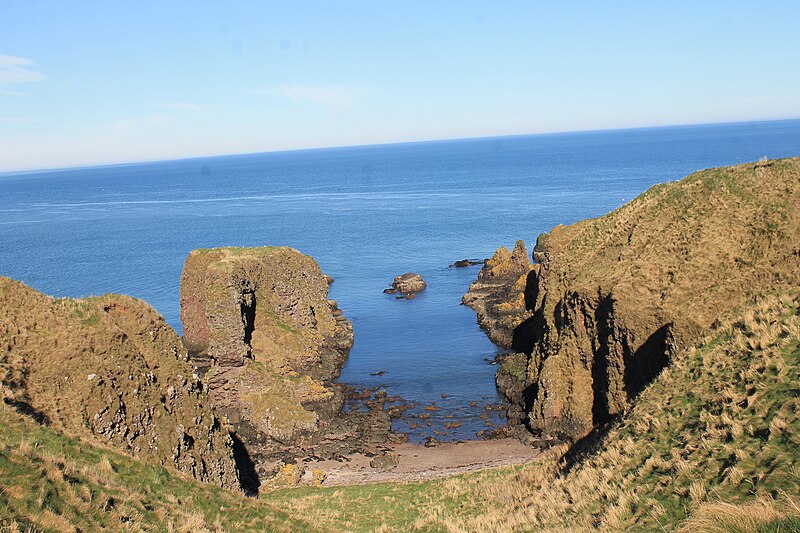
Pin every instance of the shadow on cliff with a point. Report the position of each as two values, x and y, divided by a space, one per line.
641 368
248 476
619 373
26 409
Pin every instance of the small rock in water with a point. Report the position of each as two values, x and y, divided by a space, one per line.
410 296
379 373
389 291
409 282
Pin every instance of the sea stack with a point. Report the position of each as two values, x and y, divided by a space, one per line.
271 340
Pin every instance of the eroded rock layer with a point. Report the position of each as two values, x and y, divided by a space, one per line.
612 298
109 368
273 341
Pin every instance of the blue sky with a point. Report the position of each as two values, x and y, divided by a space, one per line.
103 82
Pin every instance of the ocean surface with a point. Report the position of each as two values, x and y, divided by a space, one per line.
366 214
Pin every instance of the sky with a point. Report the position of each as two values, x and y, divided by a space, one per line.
98 82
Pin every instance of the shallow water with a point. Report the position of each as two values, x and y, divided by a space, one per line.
366 214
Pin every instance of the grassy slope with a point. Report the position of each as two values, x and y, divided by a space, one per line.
720 425
53 482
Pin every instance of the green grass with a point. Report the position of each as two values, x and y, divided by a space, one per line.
51 481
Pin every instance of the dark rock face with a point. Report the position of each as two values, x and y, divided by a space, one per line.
409 282
612 300
111 369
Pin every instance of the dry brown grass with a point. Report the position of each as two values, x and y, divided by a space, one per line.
750 517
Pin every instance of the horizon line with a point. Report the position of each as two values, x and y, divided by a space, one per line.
6 173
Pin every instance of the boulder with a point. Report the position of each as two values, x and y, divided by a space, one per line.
409 282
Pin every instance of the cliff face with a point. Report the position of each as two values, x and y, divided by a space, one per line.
111 369
612 299
272 340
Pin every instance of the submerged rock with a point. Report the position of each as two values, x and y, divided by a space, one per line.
409 282
466 263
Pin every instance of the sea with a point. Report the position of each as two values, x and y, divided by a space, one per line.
366 214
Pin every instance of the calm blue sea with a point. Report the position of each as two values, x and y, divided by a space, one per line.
366 214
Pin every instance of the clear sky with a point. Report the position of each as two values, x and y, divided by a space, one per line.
100 82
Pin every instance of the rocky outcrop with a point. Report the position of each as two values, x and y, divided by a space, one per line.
110 369
272 341
409 282
613 299
498 296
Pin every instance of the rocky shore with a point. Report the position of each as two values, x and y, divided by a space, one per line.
498 295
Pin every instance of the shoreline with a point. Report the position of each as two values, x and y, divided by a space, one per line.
419 463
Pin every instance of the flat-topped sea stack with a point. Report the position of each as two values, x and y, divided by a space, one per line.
612 299
109 369
273 341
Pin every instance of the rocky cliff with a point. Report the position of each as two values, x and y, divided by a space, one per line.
110 369
498 295
609 300
272 340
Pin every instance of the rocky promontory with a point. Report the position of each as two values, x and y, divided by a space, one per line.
611 300
498 296
111 370
259 321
